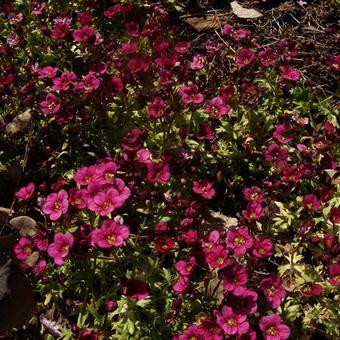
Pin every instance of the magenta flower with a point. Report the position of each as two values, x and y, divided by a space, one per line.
25 193
253 212
204 188
136 289
276 155
244 57
104 202
158 172
47 72
113 86
83 34
289 73
267 57
243 301
182 47
128 48
190 94
273 290
334 215
85 175
139 64
216 107
157 109
64 82
239 240
198 62
164 245
60 248
56 204
185 268
263 248
312 289
334 274
40 240
283 133
61 28
234 277
181 286
89 83
273 328
38 7
50 105
232 323
205 132
23 249
217 257
311 203
253 194
111 234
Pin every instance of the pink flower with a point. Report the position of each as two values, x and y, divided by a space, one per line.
136 289
181 286
40 267
182 47
263 248
89 83
234 277
253 212
190 94
267 57
311 203
60 248
334 215
64 82
56 205
111 234
273 328
23 249
128 48
50 105
85 175
244 57
158 172
157 109
217 257
216 107
40 240
273 290
204 132
164 245
185 268
289 73
25 193
114 86
105 173
253 194
334 62
232 323
78 198
334 274
204 188
198 62
243 301
277 155
104 202
83 34
47 72
38 7
239 240
195 332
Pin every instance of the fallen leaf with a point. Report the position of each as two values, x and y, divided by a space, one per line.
208 22
4 274
19 123
25 225
244 13
214 220
18 303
